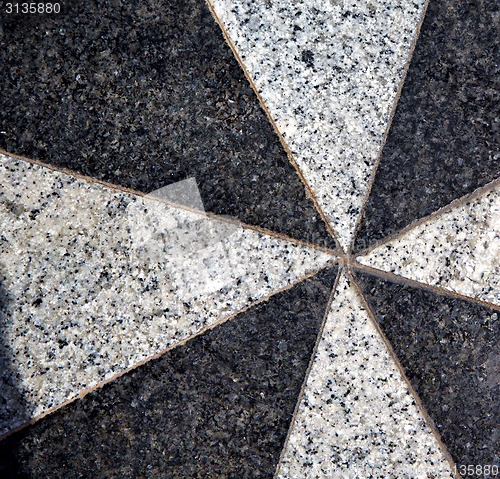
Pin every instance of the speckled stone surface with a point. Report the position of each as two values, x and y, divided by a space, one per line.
357 417
144 94
148 95
218 406
328 71
444 141
95 280
450 350
458 250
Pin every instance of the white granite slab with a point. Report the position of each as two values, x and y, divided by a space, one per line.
94 280
458 250
328 71
357 418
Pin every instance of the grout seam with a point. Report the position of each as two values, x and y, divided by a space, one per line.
309 191
456 203
395 278
205 214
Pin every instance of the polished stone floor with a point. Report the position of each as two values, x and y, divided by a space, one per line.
250 239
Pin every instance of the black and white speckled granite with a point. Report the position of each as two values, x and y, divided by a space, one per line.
444 140
143 94
111 88
457 250
13 403
217 407
357 417
450 350
97 280
328 72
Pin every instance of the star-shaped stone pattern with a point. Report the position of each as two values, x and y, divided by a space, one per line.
250 238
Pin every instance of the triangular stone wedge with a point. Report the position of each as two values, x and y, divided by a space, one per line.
443 142
357 417
328 73
95 280
458 250
217 406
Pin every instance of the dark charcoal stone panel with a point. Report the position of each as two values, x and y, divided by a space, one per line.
444 141
450 350
218 406
143 94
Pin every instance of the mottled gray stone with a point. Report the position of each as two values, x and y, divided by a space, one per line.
95 280
457 250
328 73
357 417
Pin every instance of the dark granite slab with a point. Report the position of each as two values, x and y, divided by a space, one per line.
143 94
444 141
218 406
450 350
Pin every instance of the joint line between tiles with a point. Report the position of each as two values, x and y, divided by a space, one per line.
400 368
457 203
417 284
205 214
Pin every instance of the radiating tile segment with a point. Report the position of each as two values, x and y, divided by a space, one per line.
328 72
458 250
143 94
444 141
357 417
94 280
218 406
450 350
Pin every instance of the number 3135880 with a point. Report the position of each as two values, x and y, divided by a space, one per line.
32 7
